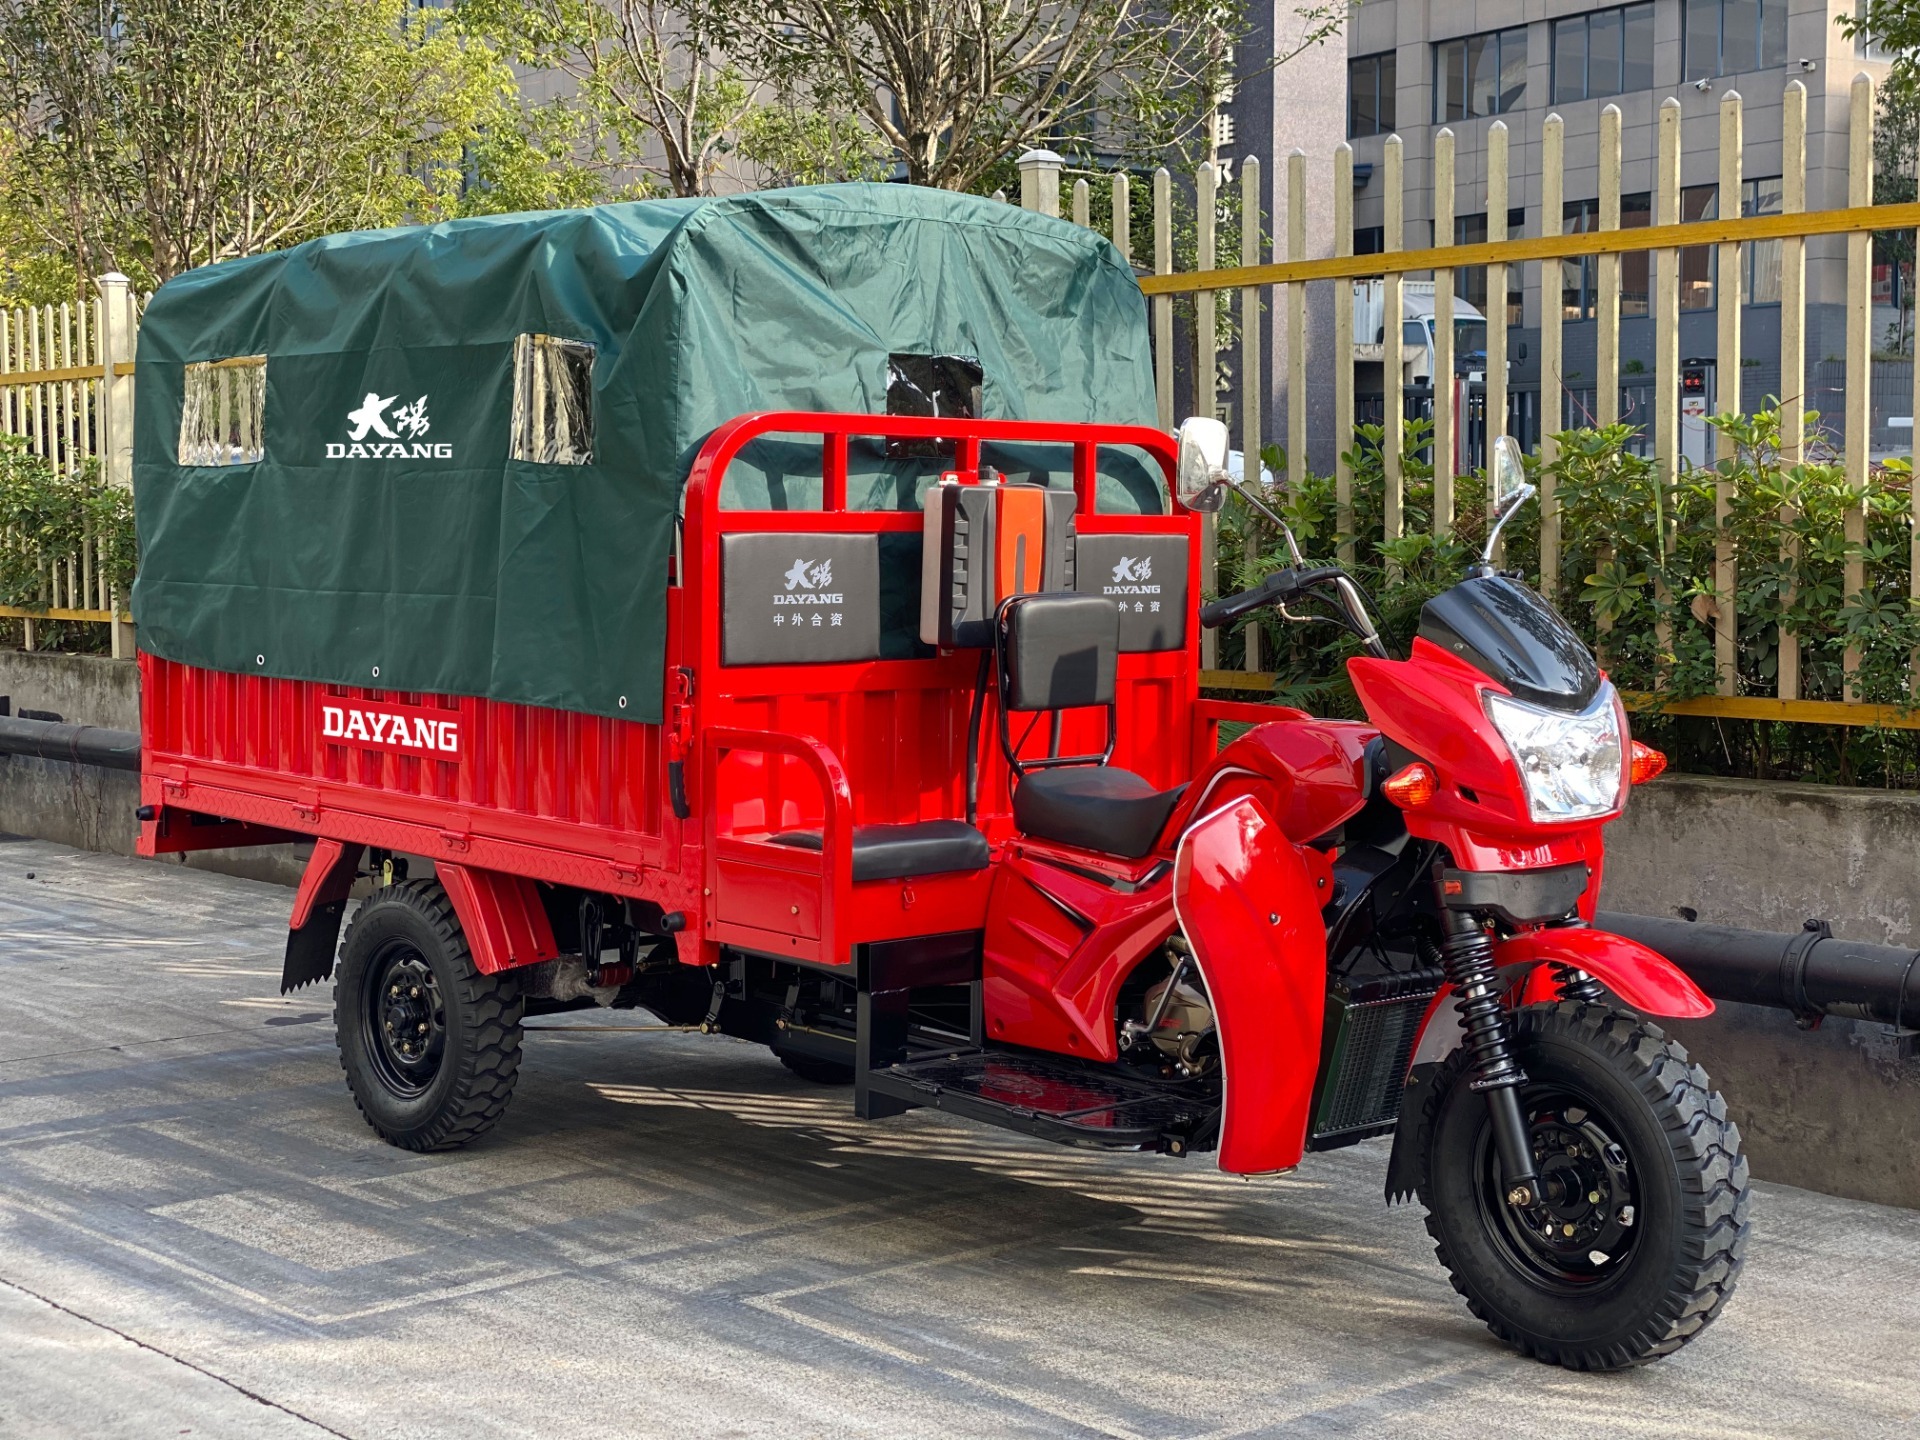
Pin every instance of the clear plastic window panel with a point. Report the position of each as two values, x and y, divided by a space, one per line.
552 400
223 412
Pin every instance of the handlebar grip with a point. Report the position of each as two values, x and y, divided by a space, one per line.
1229 608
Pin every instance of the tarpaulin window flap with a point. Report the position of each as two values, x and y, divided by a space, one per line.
394 519
222 414
552 400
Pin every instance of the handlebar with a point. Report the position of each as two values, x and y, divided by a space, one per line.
1280 586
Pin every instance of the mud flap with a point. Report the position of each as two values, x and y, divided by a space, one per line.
313 933
1405 1164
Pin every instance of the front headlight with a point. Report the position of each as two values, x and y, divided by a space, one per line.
1571 765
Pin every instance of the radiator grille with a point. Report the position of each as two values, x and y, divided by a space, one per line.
1368 1041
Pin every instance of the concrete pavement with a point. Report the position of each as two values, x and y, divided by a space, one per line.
670 1235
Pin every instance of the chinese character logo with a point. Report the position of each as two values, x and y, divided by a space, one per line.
1131 571
805 575
413 418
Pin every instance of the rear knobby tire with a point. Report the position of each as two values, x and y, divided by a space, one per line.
1602 1086
430 1045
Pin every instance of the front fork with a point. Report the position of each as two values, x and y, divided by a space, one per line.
1467 954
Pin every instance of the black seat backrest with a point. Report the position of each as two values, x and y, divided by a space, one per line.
1056 652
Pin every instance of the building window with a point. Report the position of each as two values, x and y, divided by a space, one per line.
1370 87
1369 239
552 401
223 412
1580 275
1759 260
1470 281
1479 75
1607 52
1727 37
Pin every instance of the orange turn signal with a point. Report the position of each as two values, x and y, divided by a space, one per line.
1412 787
1646 763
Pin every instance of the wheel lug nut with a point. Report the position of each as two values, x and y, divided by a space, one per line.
389 1027
1593 1197
423 1027
1567 1230
415 992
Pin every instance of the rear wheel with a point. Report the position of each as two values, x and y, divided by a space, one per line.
1642 1224
430 1045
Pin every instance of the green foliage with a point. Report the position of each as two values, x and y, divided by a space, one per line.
151 136
1636 578
46 514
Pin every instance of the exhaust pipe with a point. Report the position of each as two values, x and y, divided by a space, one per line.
77 744
1811 973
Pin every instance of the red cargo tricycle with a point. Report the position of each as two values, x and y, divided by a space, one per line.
1013 873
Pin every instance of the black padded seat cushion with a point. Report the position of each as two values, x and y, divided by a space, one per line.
1061 651
895 852
1096 807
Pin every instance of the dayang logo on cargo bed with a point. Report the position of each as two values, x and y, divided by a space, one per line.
374 433
408 729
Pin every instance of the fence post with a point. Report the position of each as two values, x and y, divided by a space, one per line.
1250 372
1666 368
1392 397
1727 299
1206 360
116 391
1496 418
1859 351
1082 203
117 332
1444 419
1296 323
1553 170
1123 216
1343 352
1040 181
1163 304
1606 340
1793 349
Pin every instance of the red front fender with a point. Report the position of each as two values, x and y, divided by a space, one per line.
1248 908
1645 979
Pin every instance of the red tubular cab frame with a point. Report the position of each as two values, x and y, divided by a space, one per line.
677 814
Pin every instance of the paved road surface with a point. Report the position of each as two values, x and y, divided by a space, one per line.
671 1236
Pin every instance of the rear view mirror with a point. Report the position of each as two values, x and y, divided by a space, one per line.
1507 479
1202 464
1508 472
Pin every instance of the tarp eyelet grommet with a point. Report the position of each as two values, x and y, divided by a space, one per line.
259 659
623 702
376 672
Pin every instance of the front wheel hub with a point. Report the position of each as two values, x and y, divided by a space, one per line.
1579 1229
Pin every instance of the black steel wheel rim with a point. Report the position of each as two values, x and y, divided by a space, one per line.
402 1020
1581 1236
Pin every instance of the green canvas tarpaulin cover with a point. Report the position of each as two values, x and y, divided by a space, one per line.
432 561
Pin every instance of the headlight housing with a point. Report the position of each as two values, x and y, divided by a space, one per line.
1572 765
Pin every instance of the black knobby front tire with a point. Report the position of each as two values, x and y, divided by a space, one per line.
820 1072
430 1045
1616 1111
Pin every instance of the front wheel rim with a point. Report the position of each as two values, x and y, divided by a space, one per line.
1582 1235
403 1022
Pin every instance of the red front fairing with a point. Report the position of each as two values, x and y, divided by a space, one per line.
1310 774
1430 705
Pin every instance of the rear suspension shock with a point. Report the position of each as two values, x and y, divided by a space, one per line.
1467 955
